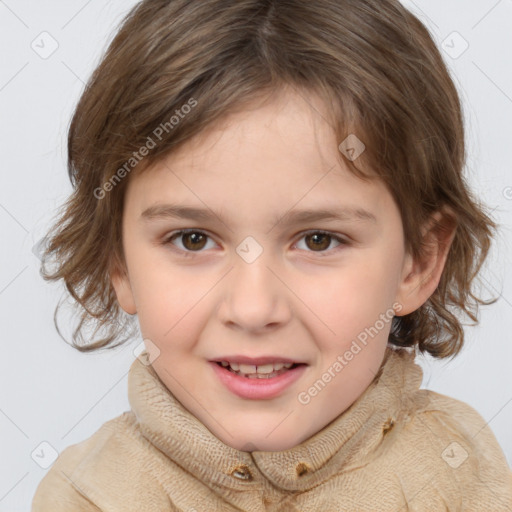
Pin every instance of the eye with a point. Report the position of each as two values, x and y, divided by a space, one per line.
321 240
193 240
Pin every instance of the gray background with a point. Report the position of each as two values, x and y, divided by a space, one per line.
51 393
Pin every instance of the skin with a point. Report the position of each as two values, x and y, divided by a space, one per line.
296 299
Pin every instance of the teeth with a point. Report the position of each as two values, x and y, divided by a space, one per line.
245 368
253 371
265 368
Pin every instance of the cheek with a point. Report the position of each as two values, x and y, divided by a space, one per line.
374 277
349 299
169 302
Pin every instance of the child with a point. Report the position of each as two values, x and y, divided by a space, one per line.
218 147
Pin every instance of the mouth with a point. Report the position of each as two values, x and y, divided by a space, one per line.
263 381
262 371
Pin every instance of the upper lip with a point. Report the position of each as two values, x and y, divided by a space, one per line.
256 361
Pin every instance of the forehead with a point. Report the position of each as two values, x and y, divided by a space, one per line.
264 160
284 126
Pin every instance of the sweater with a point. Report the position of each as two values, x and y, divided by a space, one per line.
396 448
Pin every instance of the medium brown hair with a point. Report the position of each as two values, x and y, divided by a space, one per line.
372 62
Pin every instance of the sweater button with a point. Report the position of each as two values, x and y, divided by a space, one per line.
242 472
302 468
390 423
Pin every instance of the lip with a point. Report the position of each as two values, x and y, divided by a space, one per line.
256 361
257 389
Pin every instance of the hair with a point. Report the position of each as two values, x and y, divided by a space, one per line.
374 65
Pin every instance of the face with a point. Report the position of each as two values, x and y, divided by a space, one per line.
252 278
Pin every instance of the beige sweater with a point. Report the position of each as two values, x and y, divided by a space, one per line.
397 448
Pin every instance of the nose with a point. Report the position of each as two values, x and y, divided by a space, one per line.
254 296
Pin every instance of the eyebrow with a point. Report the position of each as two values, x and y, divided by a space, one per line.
292 217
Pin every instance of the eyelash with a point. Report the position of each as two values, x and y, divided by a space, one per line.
176 234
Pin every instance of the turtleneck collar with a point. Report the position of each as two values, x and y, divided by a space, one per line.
351 440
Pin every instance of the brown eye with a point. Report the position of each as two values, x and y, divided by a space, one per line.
319 241
191 241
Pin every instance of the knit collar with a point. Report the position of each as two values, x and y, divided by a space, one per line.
347 442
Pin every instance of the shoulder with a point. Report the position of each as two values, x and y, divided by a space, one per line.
58 493
453 448
456 421
100 472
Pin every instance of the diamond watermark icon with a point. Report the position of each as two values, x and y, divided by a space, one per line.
454 455
39 248
249 249
455 45
44 455
352 147
146 352
45 45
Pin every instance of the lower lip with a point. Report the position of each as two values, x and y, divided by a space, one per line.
257 389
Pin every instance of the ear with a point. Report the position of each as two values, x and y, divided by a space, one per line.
121 283
421 276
